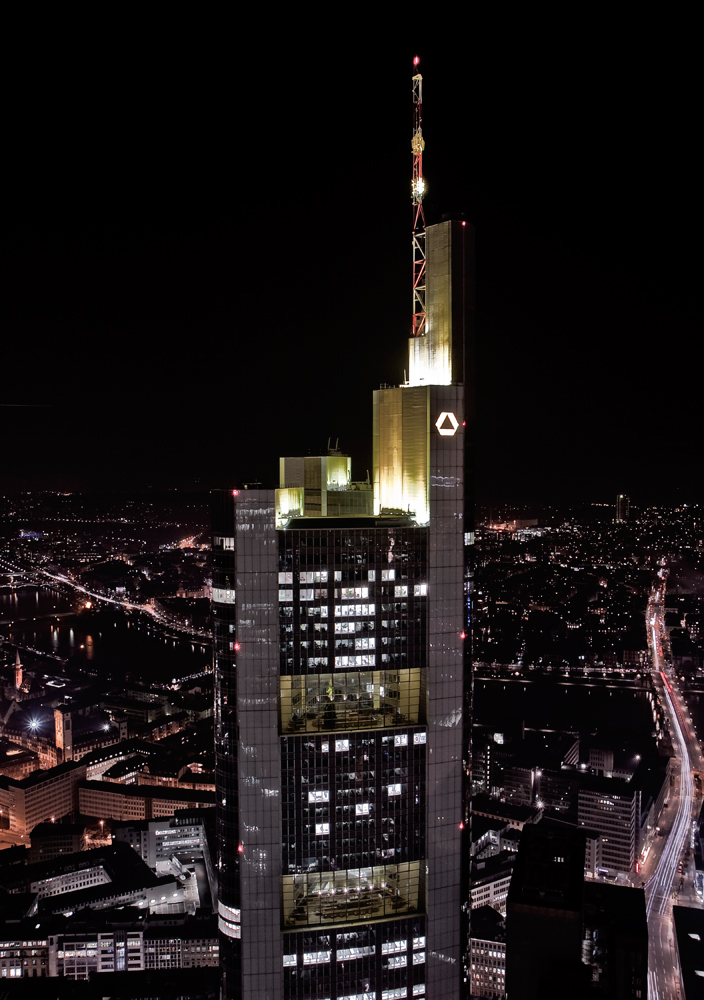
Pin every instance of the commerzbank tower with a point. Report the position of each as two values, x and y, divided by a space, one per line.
343 682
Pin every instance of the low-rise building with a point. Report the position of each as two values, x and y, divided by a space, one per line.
24 951
488 954
40 797
109 800
48 840
491 879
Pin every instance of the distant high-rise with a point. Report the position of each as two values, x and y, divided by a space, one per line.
622 508
343 686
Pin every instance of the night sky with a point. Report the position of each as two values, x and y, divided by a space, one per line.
206 257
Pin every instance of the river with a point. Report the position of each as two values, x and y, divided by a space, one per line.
109 642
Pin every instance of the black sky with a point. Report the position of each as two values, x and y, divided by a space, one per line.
206 255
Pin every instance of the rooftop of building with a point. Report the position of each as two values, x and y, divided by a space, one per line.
57 830
96 895
39 777
689 931
485 805
613 787
150 791
482 825
620 906
120 749
488 924
549 869
491 868
119 861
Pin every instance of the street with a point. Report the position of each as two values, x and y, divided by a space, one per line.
669 869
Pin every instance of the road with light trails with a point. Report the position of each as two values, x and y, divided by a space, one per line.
663 978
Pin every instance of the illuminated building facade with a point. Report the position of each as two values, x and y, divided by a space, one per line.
623 505
343 680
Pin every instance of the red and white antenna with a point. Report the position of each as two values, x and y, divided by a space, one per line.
417 192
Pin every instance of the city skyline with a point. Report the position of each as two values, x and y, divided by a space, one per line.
419 714
181 250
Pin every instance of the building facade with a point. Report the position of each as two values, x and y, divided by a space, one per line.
342 704
611 807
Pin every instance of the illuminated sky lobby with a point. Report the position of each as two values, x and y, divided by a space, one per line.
343 681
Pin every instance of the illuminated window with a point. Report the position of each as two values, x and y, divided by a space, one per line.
388 574
315 957
363 660
346 954
342 745
420 589
394 789
401 590
401 740
318 796
352 896
322 829
361 809
350 699
391 947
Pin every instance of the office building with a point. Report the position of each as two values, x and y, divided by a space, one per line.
611 807
342 687
43 796
488 954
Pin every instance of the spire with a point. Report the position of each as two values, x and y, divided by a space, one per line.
417 193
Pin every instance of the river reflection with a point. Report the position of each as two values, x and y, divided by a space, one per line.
107 641
552 703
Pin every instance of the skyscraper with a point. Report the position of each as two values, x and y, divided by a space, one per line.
623 505
343 686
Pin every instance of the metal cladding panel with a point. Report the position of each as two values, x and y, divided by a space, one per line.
445 691
291 472
439 303
401 450
226 746
437 357
259 777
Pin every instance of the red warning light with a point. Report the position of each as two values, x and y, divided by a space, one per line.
416 60
237 647
464 423
240 849
463 635
464 223
235 493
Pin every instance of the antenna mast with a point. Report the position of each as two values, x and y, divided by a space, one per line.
417 192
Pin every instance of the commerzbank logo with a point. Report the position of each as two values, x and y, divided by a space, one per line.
447 424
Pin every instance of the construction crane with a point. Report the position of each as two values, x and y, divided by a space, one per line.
417 192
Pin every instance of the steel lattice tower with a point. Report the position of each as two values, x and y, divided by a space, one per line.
417 192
